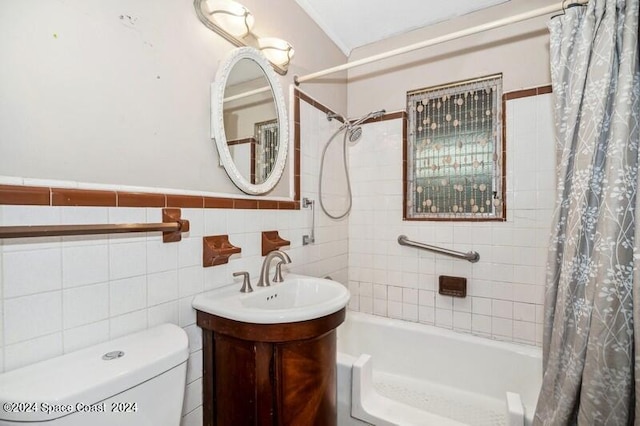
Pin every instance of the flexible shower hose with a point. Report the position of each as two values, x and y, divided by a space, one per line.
346 172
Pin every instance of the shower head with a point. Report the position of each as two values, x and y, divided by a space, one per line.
354 129
355 133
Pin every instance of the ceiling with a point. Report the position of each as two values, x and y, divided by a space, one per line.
354 23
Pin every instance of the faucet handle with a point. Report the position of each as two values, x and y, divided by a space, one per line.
246 283
277 277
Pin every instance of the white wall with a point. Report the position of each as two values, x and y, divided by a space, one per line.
505 289
520 51
117 92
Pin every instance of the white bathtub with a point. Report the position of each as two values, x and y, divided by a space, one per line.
424 375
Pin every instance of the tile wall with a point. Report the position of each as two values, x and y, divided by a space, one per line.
505 289
64 293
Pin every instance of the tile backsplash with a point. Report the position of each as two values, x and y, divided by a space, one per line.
505 289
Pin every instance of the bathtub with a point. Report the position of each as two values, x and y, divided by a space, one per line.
393 372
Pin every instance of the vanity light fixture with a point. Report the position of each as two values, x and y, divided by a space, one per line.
276 50
234 22
230 16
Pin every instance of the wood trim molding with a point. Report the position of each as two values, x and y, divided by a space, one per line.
525 93
51 196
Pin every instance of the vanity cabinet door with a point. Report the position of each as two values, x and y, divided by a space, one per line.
271 374
306 381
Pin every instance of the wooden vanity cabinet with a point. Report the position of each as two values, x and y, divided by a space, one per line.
269 374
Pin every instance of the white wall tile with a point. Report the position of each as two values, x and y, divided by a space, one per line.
462 304
502 309
524 331
162 287
127 260
380 291
481 306
161 256
409 312
84 265
194 366
192 396
444 318
481 324
394 309
426 314
196 222
30 272
127 323
366 304
32 316
394 293
380 307
194 418
524 312
444 302
164 313
502 327
190 281
410 295
186 313
84 336
461 320
127 295
426 298
366 289
32 351
83 305
194 333
190 252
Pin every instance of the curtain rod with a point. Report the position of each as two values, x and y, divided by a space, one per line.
448 37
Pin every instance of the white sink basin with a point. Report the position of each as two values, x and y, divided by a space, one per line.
298 298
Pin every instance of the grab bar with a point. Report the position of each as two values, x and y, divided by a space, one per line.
471 256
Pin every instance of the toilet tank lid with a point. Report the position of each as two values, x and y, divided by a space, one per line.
85 377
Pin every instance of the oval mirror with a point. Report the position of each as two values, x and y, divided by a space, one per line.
249 121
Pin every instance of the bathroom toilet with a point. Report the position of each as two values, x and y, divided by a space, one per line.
135 380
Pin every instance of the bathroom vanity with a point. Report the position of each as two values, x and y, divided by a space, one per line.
269 374
269 356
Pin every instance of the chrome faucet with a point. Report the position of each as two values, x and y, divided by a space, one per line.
263 281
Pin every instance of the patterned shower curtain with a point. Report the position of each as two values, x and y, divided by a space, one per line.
591 344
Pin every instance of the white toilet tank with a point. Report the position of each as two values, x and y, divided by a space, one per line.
139 383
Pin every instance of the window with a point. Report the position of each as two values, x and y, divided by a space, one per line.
454 168
267 150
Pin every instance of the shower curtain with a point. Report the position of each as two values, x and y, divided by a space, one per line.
591 343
